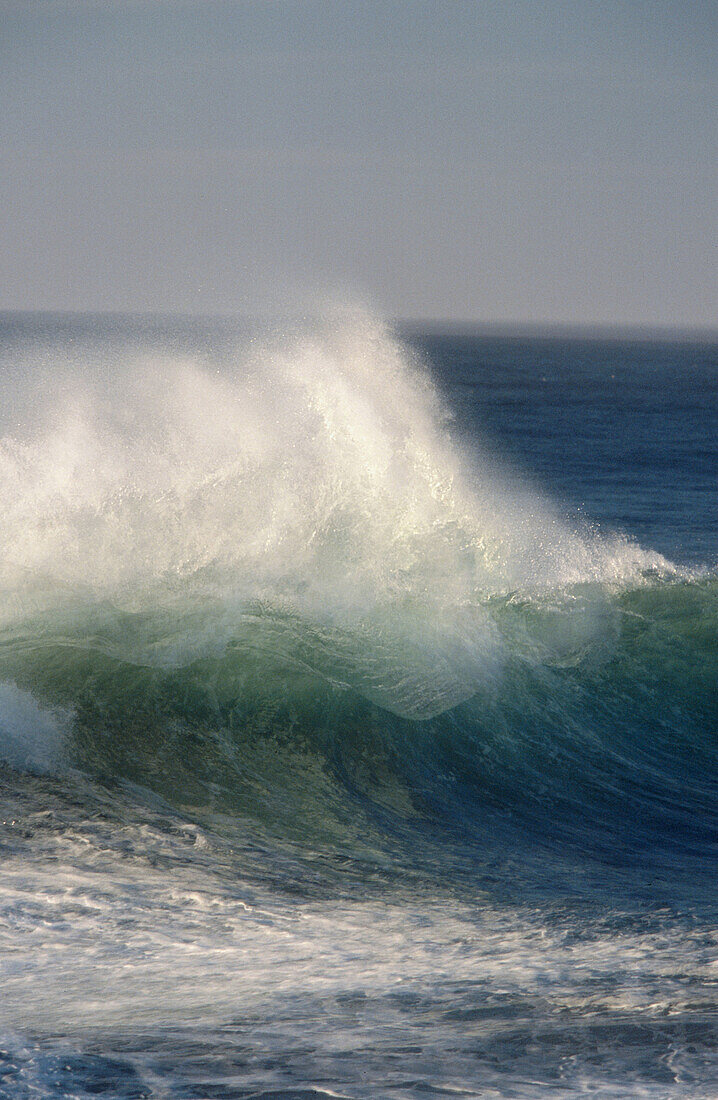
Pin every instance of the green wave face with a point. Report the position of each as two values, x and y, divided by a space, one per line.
596 712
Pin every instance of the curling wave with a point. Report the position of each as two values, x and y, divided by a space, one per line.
269 581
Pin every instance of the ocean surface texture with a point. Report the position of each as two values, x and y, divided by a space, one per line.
358 712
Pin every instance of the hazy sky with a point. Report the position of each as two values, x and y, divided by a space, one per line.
535 161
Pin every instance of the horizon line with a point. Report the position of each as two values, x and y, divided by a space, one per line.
429 325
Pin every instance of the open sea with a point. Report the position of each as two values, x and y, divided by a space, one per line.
358 712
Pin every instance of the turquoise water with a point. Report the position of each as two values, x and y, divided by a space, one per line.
357 712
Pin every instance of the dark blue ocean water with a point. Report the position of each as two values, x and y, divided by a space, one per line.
624 430
358 711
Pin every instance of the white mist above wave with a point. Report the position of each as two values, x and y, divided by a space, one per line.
306 481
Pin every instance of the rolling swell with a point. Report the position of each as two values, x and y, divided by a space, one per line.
270 587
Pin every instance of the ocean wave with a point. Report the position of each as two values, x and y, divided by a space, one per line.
269 582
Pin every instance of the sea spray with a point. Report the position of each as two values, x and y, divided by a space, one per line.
306 492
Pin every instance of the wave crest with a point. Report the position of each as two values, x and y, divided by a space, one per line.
314 477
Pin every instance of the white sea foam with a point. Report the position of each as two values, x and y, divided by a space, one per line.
100 941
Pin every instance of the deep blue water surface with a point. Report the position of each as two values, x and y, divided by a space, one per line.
624 430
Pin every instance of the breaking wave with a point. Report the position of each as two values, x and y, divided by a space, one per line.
268 580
